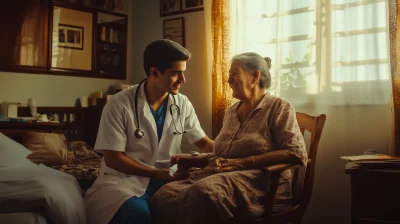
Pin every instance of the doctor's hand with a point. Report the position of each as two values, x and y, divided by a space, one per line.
164 175
181 175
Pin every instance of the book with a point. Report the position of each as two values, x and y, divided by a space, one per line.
371 158
374 161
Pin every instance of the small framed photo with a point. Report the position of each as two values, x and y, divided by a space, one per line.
108 5
100 4
71 40
174 29
170 7
121 6
193 5
70 36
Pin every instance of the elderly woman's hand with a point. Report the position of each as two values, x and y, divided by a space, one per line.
179 158
186 161
229 165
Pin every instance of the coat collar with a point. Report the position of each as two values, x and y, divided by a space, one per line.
144 106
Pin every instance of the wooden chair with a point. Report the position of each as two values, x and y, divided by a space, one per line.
300 199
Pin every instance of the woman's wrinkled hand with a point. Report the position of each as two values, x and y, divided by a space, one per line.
179 158
187 161
229 165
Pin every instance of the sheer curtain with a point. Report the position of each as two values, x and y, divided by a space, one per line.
330 52
331 57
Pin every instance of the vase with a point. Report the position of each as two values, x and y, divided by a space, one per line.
32 107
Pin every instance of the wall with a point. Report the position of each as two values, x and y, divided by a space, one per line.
147 27
51 90
348 129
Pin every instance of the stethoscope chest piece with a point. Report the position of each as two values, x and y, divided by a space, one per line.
139 133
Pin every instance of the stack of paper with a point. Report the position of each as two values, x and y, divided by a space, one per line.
372 159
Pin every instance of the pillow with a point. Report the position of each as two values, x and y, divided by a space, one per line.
12 153
82 151
47 148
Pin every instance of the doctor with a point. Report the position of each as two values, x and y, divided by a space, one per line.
140 129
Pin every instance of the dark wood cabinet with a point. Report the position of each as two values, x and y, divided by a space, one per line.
375 195
111 45
62 38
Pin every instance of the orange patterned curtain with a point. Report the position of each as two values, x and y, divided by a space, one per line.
394 26
221 94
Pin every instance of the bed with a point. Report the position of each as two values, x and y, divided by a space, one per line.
42 193
37 193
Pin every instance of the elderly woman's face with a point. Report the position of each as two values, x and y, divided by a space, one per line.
239 80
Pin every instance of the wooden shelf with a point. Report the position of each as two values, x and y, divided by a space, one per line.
112 43
115 52
38 126
42 126
108 52
30 125
117 26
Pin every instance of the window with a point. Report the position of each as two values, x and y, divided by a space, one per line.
317 46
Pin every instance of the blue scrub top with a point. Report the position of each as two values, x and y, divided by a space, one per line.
159 117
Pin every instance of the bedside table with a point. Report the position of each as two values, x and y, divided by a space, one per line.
375 194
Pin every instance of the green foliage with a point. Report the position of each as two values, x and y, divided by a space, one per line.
296 77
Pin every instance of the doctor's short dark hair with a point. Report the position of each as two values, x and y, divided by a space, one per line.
162 54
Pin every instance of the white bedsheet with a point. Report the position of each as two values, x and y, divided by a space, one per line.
32 187
22 217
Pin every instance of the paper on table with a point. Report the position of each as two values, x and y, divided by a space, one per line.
375 157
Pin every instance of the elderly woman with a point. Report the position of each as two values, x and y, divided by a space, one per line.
258 131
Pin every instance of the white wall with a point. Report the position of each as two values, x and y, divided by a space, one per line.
147 27
348 129
52 90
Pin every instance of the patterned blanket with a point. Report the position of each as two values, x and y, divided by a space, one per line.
85 165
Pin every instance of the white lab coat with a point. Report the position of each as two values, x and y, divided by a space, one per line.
116 132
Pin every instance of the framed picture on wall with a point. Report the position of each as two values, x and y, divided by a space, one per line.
121 6
70 36
174 29
170 7
193 5
100 4
71 40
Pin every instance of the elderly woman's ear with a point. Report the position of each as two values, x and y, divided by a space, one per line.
256 77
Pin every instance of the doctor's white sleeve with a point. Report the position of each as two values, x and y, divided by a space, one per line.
194 132
111 134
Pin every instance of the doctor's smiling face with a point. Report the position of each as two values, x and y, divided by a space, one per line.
173 78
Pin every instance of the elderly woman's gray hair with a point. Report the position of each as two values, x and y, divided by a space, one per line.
253 62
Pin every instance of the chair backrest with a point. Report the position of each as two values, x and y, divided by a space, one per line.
313 124
303 182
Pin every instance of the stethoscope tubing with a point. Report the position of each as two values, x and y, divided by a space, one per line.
139 133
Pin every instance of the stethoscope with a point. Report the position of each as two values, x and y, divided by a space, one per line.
139 133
